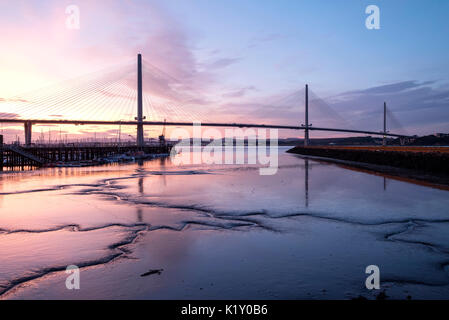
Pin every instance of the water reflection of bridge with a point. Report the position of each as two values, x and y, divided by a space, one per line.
384 177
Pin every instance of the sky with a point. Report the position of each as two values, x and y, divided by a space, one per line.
233 60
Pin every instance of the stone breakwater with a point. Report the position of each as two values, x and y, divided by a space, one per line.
422 163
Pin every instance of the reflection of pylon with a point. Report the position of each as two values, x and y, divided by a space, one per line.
162 166
139 215
306 131
306 181
140 185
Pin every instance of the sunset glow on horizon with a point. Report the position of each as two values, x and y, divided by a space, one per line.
230 158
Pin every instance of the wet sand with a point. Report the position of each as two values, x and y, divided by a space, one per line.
220 232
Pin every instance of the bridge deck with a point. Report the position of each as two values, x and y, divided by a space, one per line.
205 124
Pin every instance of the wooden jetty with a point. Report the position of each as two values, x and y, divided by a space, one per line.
14 156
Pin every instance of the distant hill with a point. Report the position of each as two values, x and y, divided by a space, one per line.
430 140
335 141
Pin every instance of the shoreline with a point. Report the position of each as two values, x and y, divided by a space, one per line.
370 165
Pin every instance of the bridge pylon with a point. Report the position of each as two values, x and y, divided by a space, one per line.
306 131
140 117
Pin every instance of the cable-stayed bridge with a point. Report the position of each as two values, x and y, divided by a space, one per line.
112 98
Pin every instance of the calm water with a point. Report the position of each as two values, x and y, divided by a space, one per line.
220 232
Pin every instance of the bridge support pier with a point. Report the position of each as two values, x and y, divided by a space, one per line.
28 132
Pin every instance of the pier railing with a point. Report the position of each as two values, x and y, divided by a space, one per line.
36 155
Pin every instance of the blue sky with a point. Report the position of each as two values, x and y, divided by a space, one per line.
324 43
